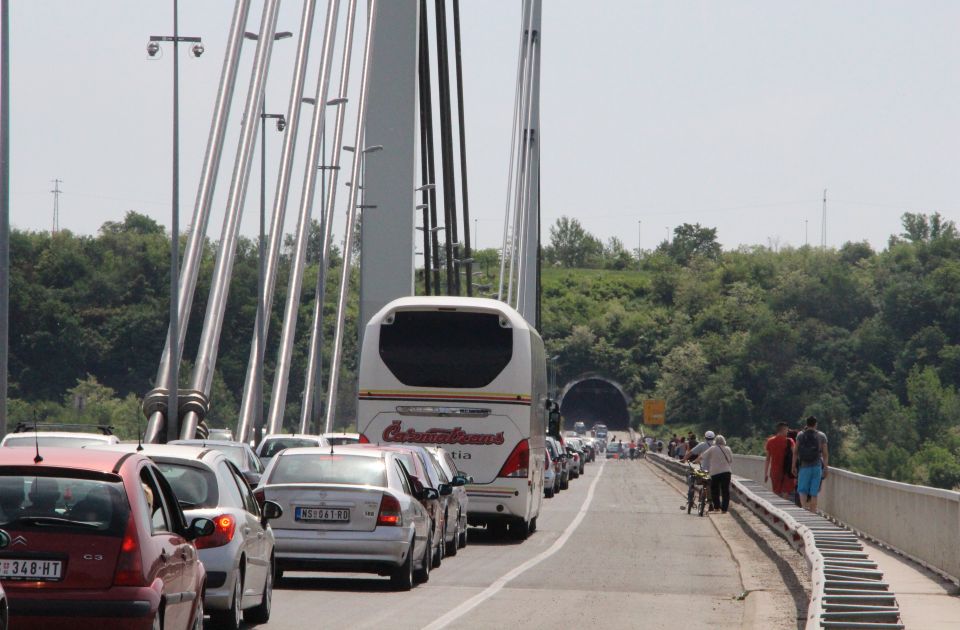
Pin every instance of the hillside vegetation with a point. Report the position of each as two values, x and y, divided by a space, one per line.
867 341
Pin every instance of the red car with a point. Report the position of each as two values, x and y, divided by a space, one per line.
97 539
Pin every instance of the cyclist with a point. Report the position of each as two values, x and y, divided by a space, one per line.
697 450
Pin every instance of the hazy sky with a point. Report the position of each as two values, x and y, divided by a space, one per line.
732 114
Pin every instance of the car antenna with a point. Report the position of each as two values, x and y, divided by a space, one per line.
139 432
36 440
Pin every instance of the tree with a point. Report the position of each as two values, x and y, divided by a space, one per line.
571 245
692 241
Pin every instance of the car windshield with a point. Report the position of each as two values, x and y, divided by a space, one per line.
336 469
274 445
62 503
53 440
195 486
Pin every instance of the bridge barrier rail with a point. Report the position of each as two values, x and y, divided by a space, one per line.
919 522
798 535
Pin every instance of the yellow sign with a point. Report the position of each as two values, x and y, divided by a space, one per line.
654 411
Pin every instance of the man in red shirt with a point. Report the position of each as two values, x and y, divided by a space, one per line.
775 469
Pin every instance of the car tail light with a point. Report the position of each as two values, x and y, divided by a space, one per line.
390 514
129 564
518 464
363 439
224 527
261 496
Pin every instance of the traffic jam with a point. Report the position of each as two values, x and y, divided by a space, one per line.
131 535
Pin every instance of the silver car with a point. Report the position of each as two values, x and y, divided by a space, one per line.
456 522
239 453
349 509
239 555
273 443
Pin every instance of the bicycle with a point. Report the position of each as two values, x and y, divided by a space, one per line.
698 487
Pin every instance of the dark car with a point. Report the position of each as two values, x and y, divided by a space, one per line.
98 540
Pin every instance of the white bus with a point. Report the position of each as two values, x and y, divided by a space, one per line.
467 374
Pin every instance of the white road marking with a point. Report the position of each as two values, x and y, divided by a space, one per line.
516 572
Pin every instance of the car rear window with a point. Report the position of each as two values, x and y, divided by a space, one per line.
275 445
62 503
337 441
195 486
445 349
52 440
336 469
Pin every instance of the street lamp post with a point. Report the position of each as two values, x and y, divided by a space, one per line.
173 376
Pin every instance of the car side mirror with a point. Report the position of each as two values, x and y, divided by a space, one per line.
418 488
252 478
199 528
429 494
271 511
459 480
445 489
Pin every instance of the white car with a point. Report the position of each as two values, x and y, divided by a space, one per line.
349 509
239 554
273 443
342 438
24 435
457 533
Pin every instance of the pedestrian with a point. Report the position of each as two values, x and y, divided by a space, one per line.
633 449
697 449
811 459
778 465
681 449
718 461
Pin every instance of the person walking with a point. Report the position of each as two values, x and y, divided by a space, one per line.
811 459
718 461
778 466
681 449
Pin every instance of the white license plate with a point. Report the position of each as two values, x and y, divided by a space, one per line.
322 514
38 570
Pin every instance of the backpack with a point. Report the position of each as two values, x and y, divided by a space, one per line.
808 448
788 459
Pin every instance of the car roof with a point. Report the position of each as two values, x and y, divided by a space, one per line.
208 443
94 459
69 434
172 451
345 449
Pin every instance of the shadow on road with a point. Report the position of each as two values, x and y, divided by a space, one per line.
485 537
331 583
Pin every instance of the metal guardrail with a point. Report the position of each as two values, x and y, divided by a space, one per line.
847 587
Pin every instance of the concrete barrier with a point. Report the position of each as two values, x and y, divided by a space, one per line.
920 522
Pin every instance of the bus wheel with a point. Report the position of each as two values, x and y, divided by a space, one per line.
520 530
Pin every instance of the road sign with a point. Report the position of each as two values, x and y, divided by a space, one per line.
654 411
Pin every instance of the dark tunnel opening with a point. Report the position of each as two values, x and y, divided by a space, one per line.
595 400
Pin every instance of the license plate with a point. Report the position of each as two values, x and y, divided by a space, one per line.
32 570
321 514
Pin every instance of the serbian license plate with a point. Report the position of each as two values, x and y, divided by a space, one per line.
32 570
322 514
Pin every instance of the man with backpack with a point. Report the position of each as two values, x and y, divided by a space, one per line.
810 461
778 466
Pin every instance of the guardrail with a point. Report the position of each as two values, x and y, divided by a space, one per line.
847 589
919 522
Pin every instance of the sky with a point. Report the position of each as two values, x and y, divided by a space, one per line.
736 115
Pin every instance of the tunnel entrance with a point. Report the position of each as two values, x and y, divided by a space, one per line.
594 399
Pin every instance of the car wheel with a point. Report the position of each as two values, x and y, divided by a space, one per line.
423 573
157 621
230 619
533 524
564 483
438 552
454 544
463 538
198 616
548 492
261 612
402 576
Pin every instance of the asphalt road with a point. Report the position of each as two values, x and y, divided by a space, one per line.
615 549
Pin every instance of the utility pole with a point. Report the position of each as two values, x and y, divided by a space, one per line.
56 205
4 205
823 222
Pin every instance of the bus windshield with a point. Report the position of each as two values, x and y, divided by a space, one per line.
445 349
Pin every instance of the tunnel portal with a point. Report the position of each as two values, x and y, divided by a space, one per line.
594 399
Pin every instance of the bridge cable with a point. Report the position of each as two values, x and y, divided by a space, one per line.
464 197
446 149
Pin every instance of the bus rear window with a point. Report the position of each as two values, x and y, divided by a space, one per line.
445 349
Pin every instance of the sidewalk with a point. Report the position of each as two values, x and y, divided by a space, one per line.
927 602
